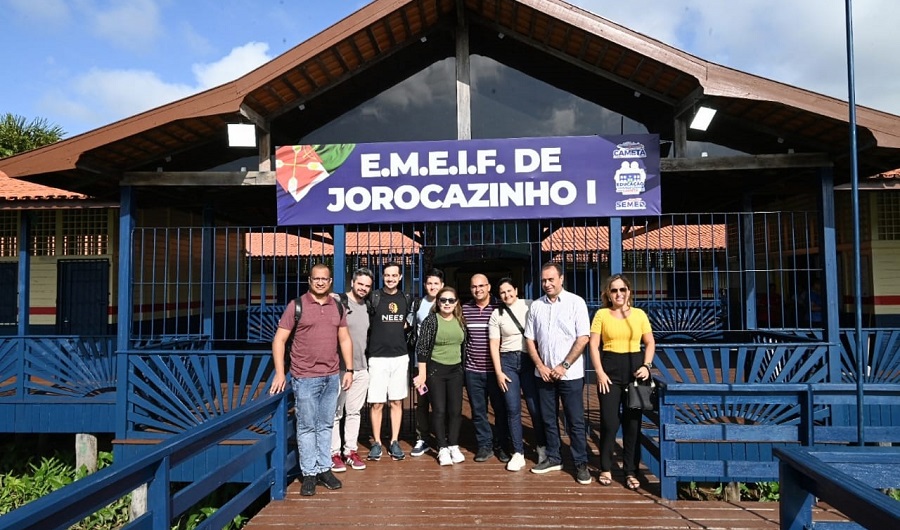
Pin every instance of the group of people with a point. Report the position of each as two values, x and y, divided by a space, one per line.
352 348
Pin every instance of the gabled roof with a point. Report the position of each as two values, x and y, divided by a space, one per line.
388 40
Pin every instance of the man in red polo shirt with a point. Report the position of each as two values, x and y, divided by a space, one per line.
315 378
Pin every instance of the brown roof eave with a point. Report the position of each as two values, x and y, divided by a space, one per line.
64 155
727 82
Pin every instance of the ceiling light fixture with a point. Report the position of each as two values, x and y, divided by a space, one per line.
241 135
703 118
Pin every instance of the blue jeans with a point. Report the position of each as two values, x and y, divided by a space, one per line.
482 386
570 392
519 368
316 401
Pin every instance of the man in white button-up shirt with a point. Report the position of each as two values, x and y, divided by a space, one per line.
556 333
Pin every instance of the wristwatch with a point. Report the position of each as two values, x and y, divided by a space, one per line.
566 364
648 365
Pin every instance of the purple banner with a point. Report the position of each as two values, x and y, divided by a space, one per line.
468 180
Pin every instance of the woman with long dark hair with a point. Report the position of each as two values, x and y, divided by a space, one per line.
615 346
439 353
515 371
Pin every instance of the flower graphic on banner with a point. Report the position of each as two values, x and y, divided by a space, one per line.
300 167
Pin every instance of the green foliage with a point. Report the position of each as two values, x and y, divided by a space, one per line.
50 474
750 491
25 477
17 136
207 506
893 493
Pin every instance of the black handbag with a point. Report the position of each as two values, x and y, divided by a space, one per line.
642 395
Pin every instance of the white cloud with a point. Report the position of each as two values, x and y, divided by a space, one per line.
101 96
54 13
133 25
801 42
238 62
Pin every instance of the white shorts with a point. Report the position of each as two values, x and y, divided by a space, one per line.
388 379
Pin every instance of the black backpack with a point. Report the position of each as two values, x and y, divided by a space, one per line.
298 312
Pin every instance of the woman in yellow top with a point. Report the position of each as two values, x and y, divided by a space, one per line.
616 334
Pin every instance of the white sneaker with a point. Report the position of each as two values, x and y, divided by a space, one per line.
516 463
444 458
456 455
541 454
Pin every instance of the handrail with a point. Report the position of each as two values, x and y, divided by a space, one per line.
74 502
803 476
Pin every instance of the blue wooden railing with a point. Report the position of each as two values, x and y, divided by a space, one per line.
692 440
74 502
57 384
845 478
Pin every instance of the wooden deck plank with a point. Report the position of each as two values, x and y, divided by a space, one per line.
418 493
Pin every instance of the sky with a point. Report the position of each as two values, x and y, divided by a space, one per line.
82 64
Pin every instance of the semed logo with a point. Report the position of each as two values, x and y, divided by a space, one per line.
630 179
630 150
636 203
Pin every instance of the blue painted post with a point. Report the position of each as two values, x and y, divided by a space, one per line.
749 268
615 245
159 497
339 274
795 504
279 455
24 301
830 280
124 313
208 261
24 273
668 484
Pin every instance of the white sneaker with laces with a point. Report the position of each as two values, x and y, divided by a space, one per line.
516 463
456 455
444 457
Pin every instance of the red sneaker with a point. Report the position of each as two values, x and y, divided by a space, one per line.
337 465
353 460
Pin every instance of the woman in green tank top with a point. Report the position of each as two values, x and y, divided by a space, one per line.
439 351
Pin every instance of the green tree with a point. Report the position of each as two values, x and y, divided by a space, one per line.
16 135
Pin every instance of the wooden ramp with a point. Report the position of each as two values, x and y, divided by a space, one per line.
418 493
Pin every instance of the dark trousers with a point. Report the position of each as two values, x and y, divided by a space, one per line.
481 387
519 368
620 368
423 429
570 392
445 391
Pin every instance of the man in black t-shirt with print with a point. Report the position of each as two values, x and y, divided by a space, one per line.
388 359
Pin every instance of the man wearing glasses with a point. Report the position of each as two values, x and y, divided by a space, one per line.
481 381
315 369
556 332
351 401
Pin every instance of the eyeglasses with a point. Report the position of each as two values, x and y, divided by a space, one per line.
480 286
320 280
447 300
622 290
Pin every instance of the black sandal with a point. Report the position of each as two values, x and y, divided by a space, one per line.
604 479
632 483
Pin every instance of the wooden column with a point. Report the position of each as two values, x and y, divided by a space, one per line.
829 257
463 80
24 277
